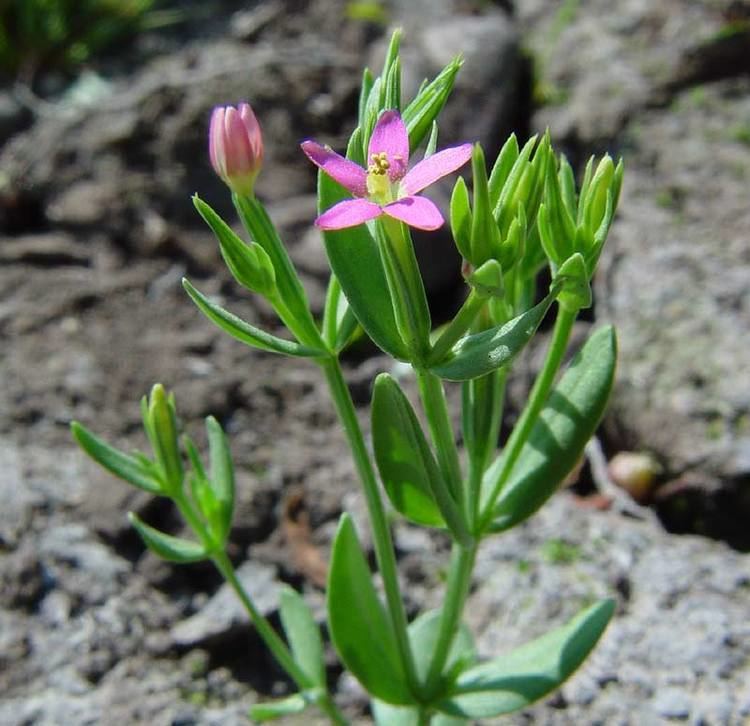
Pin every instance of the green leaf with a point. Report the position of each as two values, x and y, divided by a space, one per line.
387 715
174 549
423 634
407 467
485 235
478 354
557 439
501 169
222 476
356 262
359 624
424 109
461 218
125 467
244 332
303 635
249 264
517 679
271 710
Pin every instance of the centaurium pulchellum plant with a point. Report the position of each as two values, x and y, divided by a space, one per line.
524 216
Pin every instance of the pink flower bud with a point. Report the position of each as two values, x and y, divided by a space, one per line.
235 146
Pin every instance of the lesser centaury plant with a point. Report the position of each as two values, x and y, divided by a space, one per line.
524 216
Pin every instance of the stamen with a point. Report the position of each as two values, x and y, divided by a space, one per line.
380 163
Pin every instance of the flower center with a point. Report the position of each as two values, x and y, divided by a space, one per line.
379 186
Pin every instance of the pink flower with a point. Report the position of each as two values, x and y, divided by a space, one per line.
385 187
235 146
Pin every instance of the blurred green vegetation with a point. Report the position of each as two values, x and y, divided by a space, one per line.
38 35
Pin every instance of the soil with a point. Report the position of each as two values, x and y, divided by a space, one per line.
98 231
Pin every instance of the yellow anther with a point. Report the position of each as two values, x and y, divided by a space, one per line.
380 163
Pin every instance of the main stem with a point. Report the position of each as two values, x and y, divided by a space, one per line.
534 405
381 534
456 592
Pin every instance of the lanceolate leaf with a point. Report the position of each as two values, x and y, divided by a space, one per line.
557 439
129 468
303 635
174 549
514 681
359 625
244 332
409 471
403 457
478 354
222 474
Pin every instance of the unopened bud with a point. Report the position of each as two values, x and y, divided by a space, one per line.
235 146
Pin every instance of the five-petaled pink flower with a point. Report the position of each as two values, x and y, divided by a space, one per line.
385 187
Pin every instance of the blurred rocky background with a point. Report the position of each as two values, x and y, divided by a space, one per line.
100 155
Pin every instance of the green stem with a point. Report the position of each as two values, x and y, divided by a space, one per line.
405 286
269 636
381 534
273 642
534 405
457 327
441 430
456 592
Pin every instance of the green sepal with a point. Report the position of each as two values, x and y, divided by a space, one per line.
364 94
246 333
557 439
559 231
501 168
460 213
478 354
174 549
485 235
410 474
359 624
221 479
390 62
419 115
516 680
303 635
393 86
355 260
431 141
594 201
134 470
249 264
504 210
160 420
487 279
575 292
271 710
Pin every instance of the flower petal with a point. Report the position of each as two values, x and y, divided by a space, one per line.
390 136
348 213
417 212
435 167
351 176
